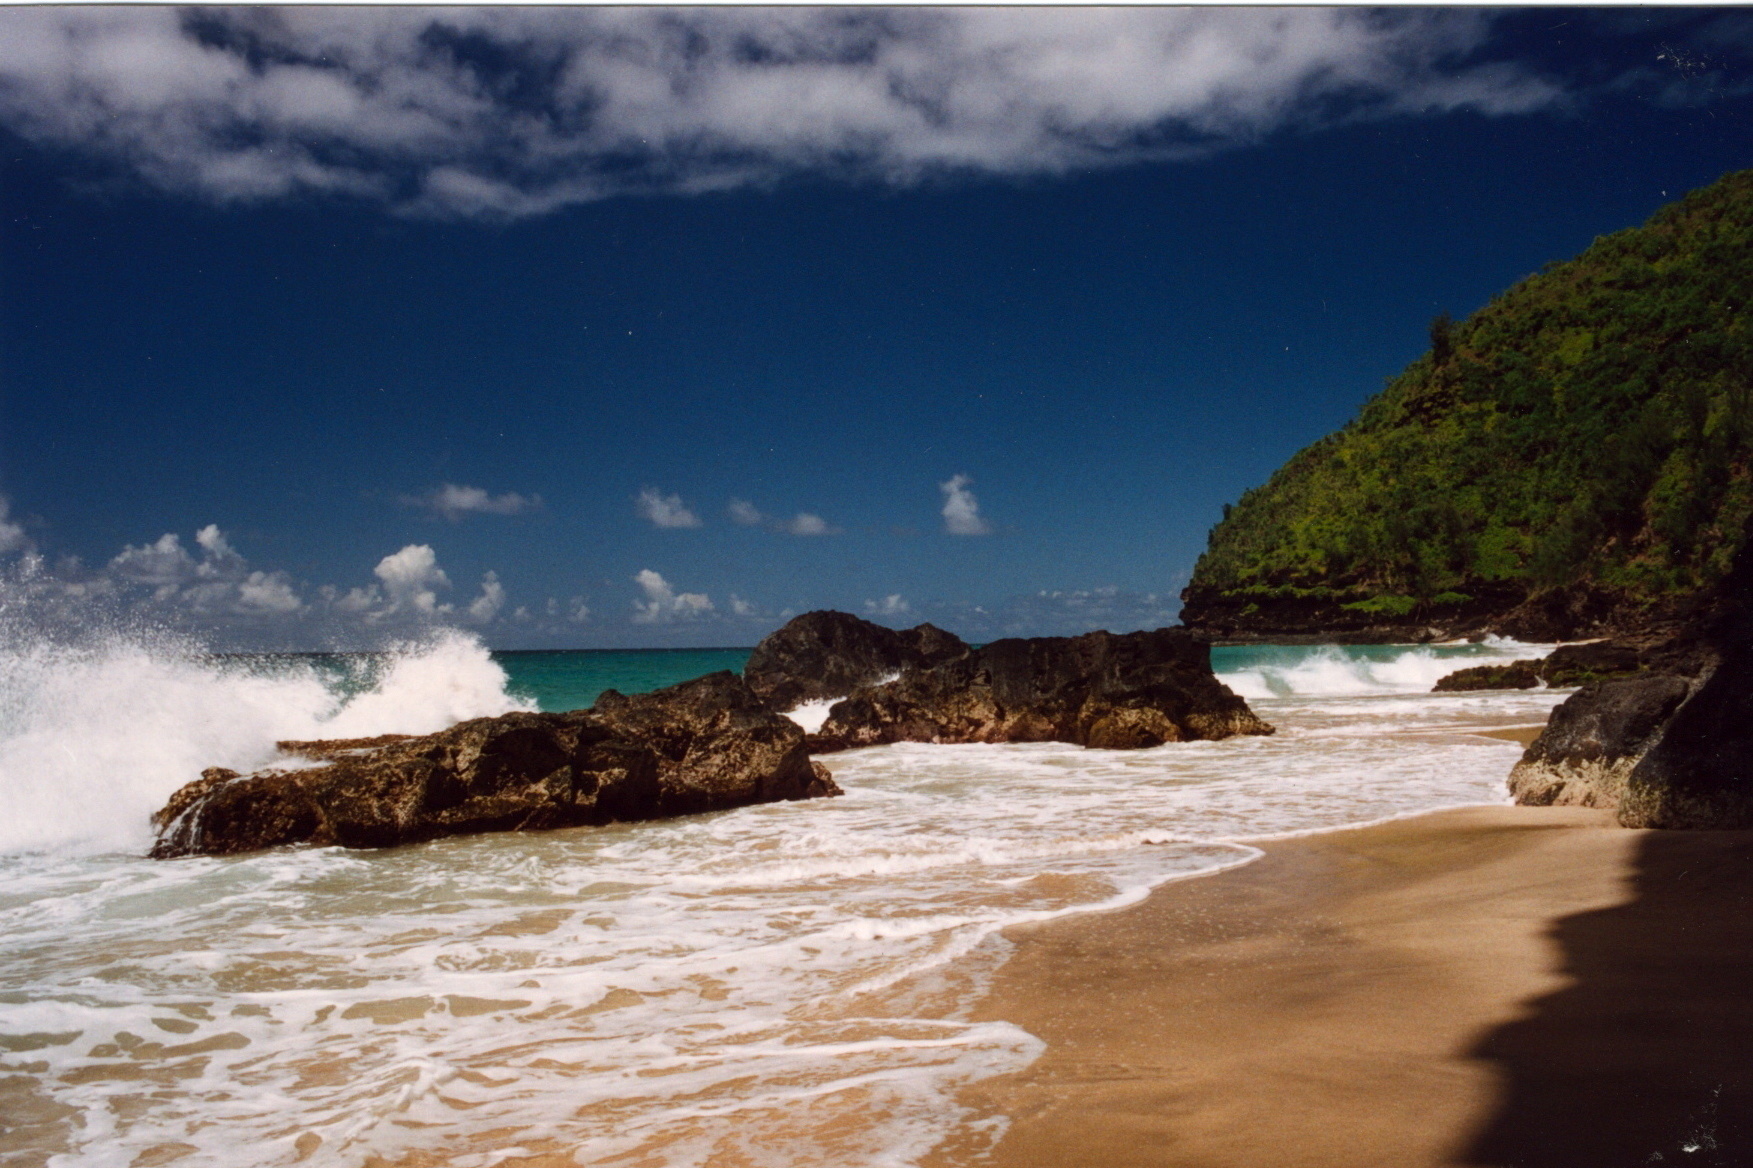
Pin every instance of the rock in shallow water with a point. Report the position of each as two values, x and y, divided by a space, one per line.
704 745
828 654
1114 691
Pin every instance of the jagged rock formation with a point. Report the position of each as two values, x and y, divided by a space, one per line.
704 745
828 654
1592 742
1573 460
1100 689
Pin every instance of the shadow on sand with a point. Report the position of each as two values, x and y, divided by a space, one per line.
1647 1058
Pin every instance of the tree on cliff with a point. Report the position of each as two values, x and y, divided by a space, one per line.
1587 432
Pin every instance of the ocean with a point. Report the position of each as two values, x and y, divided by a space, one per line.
773 986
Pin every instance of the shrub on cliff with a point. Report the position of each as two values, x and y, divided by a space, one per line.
1589 429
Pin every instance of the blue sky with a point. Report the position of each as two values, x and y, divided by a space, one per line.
654 327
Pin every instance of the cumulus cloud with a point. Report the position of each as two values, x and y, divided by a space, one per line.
509 111
411 579
745 513
741 607
219 582
890 605
487 605
961 511
663 603
664 510
454 501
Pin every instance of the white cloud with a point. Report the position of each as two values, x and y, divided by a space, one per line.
741 607
663 603
411 578
267 592
577 611
453 501
164 563
508 111
804 523
487 605
747 514
214 543
890 605
12 537
961 511
664 510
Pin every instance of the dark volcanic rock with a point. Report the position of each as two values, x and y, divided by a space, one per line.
829 654
1572 665
1516 675
703 745
1593 740
1700 773
1100 689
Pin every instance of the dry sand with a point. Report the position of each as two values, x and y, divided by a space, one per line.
1489 986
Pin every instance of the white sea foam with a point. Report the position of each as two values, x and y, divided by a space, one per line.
95 737
779 985
811 715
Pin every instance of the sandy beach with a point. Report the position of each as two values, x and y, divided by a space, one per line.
1520 986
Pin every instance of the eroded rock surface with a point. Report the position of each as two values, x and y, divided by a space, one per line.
1592 742
1114 691
704 745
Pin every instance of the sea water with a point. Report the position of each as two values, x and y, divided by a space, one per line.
777 985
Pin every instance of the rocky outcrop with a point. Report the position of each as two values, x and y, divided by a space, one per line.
1699 773
1114 691
704 745
1594 740
1515 675
826 654
1566 667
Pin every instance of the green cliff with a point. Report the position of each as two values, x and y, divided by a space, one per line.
1573 459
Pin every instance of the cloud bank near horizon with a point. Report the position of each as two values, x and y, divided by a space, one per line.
511 112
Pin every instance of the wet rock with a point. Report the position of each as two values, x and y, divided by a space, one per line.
704 745
827 654
1113 691
1516 675
1594 740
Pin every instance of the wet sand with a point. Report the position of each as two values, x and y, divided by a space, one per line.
1488 986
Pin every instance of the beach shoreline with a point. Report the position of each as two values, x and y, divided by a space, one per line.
1527 986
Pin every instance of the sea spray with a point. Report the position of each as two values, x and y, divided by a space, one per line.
95 736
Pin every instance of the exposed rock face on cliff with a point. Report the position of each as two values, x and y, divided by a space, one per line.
1101 690
827 654
1592 742
704 745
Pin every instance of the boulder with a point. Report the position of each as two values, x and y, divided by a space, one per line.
704 745
822 655
1593 741
1114 691
1699 774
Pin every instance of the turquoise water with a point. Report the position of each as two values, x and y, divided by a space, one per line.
572 679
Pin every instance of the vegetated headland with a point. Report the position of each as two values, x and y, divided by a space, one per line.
1574 459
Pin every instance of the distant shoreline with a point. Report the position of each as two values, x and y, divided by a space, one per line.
1482 985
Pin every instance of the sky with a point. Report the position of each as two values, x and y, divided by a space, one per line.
321 328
